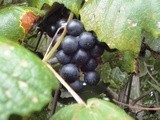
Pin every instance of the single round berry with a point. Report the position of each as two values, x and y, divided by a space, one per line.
60 23
91 77
96 51
69 72
81 57
69 45
86 40
90 65
62 57
74 27
51 30
77 85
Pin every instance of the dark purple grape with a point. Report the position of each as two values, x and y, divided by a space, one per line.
74 27
60 23
69 44
90 65
86 40
77 85
81 57
51 30
91 77
69 72
62 57
96 51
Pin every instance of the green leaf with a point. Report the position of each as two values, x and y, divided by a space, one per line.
120 23
73 5
143 68
26 82
120 78
16 21
114 76
126 61
96 109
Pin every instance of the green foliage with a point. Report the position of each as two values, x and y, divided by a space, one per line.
156 86
12 24
26 82
96 109
120 24
114 76
73 5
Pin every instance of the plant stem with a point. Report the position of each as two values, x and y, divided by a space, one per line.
151 75
137 106
39 39
54 37
53 104
51 53
142 96
70 90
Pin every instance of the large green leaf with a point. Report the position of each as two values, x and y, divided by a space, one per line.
16 21
26 82
120 23
96 109
73 5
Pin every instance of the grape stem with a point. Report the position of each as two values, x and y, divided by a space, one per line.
52 41
53 50
70 90
137 106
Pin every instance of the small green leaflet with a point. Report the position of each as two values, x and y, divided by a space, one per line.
26 82
73 5
96 109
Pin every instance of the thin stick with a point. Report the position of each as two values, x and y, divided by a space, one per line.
70 90
53 104
112 93
39 39
151 75
137 107
51 53
129 86
142 96
52 41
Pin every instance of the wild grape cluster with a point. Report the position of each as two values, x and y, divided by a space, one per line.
78 54
80 51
